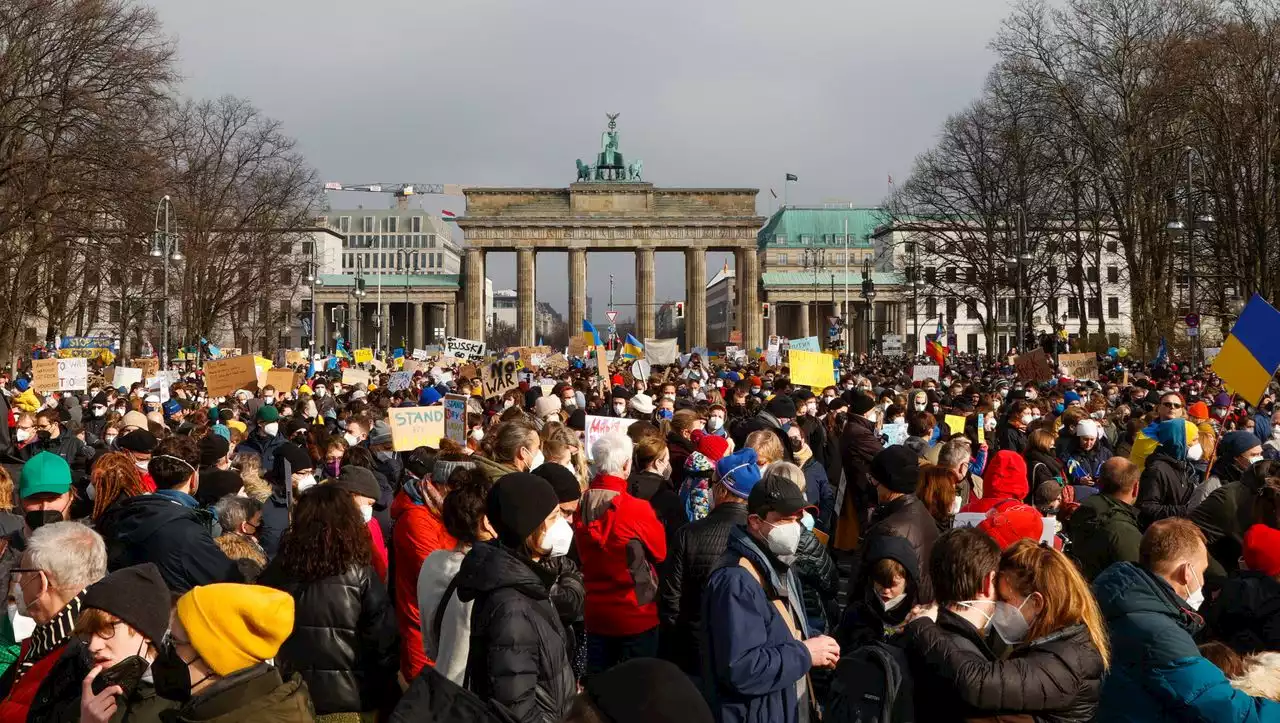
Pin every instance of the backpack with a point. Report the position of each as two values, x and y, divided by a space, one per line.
872 684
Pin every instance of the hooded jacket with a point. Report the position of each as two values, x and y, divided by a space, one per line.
1157 672
517 653
254 695
866 620
418 532
156 528
1103 530
264 446
620 543
1223 518
1246 613
1165 488
908 518
1005 478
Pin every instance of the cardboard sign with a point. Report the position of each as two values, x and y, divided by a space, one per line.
808 343
224 376
413 427
661 351
602 361
921 372
1033 366
577 347
123 376
363 356
499 378
598 427
955 423
399 381
284 380
148 364
465 349
413 365
60 375
420 354
811 369
379 365
292 358
1079 366
355 377
455 418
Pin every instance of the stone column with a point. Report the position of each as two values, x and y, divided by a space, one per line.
802 314
748 264
473 294
773 324
577 288
695 302
526 330
415 325
646 312
450 319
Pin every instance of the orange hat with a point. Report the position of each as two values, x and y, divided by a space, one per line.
1199 410
1010 523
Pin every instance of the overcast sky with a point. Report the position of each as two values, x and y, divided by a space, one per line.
510 92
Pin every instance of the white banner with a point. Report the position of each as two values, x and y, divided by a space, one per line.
597 427
467 349
921 372
661 351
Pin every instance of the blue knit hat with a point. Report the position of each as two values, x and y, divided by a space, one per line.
739 472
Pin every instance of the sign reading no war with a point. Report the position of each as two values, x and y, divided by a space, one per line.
413 427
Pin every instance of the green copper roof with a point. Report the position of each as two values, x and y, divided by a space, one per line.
805 278
820 226
338 281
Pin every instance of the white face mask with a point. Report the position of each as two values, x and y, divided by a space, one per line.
619 409
1028 418
895 601
538 459
715 422
477 434
1255 460
22 434
352 440
783 540
556 541
142 464
269 399
99 411
955 505
508 404
872 415
1195 452
306 482
319 392
366 513
1196 599
271 428
919 406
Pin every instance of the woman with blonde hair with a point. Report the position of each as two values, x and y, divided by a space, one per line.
250 467
1049 620
561 445
767 446
937 490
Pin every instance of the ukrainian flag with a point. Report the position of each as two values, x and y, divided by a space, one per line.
632 348
1250 355
590 334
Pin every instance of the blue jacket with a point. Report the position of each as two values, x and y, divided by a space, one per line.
752 663
1157 673
1262 426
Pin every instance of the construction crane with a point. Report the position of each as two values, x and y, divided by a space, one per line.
401 191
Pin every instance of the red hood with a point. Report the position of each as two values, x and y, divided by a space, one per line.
400 505
1005 477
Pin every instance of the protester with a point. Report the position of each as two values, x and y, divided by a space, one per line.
361 484
937 491
1086 453
895 472
44 488
1168 479
860 444
1245 614
510 447
774 418
1169 407
292 475
1237 452
1229 511
217 478
814 567
653 478
1003 480
816 485
956 455
1104 529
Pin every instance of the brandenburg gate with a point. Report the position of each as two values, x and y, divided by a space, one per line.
610 208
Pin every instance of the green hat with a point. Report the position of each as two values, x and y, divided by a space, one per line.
268 414
45 472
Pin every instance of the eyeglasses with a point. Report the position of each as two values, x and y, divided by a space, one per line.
1171 405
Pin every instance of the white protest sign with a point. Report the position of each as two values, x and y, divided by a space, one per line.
598 427
661 351
895 433
808 343
125 376
399 381
467 349
921 372
420 354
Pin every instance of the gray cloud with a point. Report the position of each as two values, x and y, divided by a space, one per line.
510 92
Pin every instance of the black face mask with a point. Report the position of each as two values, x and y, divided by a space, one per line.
796 444
39 518
170 674
44 436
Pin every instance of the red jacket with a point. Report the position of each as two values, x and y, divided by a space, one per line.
1005 478
620 541
22 694
418 532
379 561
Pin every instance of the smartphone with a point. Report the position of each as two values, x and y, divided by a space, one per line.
126 674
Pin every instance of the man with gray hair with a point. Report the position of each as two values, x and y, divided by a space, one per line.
620 543
957 456
61 561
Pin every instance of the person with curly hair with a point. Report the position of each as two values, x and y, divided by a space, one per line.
344 641
114 477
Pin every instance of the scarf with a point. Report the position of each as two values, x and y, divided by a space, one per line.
803 456
50 635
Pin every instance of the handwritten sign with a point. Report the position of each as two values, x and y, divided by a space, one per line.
399 381
1079 366
413 427
295 357
363 356
123 376
895 433
148 364
955 423
808 343
420 354
465 349
598 427
224 376
921 372
60 375
1033 366
355 378
499 378
455 417
577 347
602 361
284 380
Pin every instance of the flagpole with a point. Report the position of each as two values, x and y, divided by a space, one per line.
848 341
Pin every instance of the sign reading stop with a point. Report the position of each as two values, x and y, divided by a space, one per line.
1193 320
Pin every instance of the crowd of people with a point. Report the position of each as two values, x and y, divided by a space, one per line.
731 547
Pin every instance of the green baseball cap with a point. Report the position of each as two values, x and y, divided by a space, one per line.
268 414
44 473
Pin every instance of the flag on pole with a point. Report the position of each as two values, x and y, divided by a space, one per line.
792 177
771 193
1250 354
632 348
1162 354
448 214
937 347
590 334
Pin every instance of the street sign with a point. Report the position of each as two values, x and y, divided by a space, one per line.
611 315
1193 331
1193 320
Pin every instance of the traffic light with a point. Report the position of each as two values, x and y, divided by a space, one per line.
679 309
764 310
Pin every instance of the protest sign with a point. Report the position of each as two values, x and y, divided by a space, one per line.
363 356
355 377
895 433
295 357
379 365
284 380
1033 366
465 349
577 347
1079 366
58 375
148 364
413 427
399 381
982 429
499 378
597 427
455 418
640 369
955 423
420 354
808 343
661 351
921 372
811 369
123 376
602 361
224 376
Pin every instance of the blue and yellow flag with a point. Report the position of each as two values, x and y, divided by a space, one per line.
632 348
590 334
1250 355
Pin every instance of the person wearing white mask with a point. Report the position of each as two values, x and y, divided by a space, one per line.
294 467
889 566
716 421
364 489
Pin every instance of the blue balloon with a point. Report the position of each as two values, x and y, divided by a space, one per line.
1112 351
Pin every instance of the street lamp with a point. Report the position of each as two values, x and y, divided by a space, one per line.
869 294
1177 227
358 292
314 280
406 255
164 244
814 259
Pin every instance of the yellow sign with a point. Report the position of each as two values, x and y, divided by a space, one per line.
811 369
364 356
413 427
955 423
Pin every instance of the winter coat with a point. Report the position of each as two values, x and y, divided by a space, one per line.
1223 518
275 520
1041 467
753 662
620 543
493 471
679 448
1080 464
859 445
517 654
819 582
1165 488
662 497
175 536
418 532
937 699
907 517
1010 438
1157 672
344 642
1246 613
818 490
1005 478
447 646
79 456
259 694
433 698
1103 530
263 446
49 690
865 619
1056 677
697 550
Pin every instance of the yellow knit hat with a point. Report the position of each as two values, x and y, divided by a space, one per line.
234 626
237 425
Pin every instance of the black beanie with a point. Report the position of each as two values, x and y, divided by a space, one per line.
139 440
861 403
213 448
297 457
137 595
517 505
897 469
782 407
564 482
359 481
642 690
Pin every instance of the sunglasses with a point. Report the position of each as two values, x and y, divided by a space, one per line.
1171 405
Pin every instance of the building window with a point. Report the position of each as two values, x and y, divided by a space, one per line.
1112 247
1095 308
264 309
308 248
1053 276
780 238
1073 307
1053 307
1113 274
951 309
285 307
971 276
391 224
971 308
113 311
971 343
366 224
930 275
931 306
344 224
415 224
1073 276
840 259
951 274
1092 274
286 277
781 259
116 278
806 239
1113 307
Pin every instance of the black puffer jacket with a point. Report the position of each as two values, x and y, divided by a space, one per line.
1246 613
698 548
344 642
1165 488
1056 678
1224 517
517 656
819 583
907 517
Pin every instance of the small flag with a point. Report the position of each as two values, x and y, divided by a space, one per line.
590 334
448 214
890 179
771 193
632 348
792 177
1251 353
936 349
1162 354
